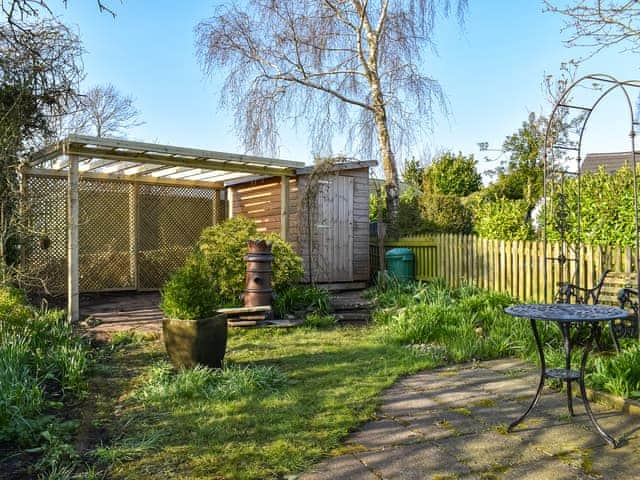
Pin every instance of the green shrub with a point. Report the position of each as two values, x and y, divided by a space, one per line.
503 219
445 214
452 174
409 216
224 247
287 266
192 292
607 209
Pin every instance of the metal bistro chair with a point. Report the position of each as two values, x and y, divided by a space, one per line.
613 288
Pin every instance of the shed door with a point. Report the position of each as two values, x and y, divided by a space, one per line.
333 243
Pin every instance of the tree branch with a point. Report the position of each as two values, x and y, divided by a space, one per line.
322 88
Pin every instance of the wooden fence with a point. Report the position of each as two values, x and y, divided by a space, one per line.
516 267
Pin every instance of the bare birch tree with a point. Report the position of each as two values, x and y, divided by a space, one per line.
352 68
104 111
17 11
599 24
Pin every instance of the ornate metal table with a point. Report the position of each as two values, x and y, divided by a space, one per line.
567 316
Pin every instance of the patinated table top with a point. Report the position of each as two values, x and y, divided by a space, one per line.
564 312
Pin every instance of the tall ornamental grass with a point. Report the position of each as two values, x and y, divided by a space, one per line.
469 322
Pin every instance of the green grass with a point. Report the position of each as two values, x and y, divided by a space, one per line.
468 322
301 297
43 366
288 397
619 374
284 399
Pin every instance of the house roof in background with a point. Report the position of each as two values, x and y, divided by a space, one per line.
611 161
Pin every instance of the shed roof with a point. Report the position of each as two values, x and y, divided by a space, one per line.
116 158
611 161
307 170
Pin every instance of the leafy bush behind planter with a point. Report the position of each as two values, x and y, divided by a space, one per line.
224 247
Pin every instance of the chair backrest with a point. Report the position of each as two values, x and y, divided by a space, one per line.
613 283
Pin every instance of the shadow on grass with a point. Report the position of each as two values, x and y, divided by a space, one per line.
332 387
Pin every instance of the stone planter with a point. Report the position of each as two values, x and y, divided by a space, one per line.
196 342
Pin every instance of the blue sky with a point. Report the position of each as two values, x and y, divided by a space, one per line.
491 71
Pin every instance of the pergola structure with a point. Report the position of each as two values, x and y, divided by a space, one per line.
105 159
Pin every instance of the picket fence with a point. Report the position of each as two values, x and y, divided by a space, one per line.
516 267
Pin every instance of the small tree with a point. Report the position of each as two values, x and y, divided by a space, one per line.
445 214
413 174
522 176
452 174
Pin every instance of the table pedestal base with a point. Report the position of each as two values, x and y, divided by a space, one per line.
567 375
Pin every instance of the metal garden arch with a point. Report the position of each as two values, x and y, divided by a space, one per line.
555 170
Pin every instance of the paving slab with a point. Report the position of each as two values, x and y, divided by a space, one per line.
491 451
400 401
450 423
548 469
443 423
342 467
383 433
414 462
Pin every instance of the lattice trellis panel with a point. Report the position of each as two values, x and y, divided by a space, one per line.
45 250
130 235
107 229
170 222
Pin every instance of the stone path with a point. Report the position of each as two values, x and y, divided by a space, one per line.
450 424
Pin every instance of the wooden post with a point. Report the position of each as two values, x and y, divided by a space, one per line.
284 208
230 202
22 202
133 234
217 207
382 232
73 221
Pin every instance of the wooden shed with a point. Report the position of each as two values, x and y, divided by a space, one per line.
327 215
112 214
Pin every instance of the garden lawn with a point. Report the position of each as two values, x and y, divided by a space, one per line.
286 398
